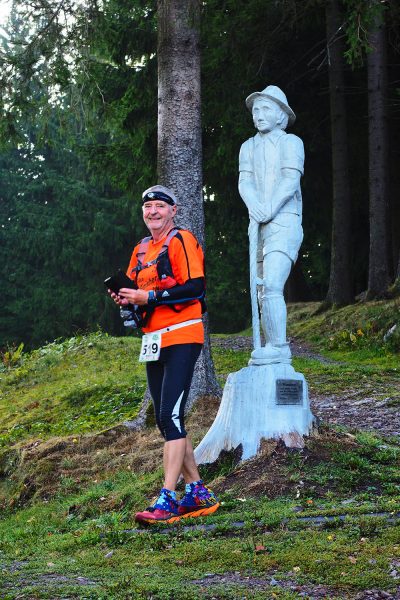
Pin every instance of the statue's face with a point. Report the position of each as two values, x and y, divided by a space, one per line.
267 115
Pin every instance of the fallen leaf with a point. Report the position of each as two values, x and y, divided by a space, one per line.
352 559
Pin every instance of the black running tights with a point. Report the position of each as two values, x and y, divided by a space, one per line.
169 380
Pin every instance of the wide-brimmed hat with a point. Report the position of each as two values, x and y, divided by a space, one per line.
273 93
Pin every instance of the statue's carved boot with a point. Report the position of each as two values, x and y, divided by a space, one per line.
272 354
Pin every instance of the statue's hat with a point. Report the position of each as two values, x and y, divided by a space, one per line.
273 93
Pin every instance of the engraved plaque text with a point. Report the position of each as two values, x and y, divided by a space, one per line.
289 391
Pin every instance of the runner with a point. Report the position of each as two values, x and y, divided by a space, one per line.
168 270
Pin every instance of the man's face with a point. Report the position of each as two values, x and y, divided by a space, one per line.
266 115
158 215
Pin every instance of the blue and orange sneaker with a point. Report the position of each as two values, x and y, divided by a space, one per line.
164 510
198 501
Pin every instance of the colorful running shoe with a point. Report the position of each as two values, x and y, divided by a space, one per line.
198 501
164 510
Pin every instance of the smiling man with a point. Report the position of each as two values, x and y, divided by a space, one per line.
168 272
271 164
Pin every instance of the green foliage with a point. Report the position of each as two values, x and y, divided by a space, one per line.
12 355
361 18
366 327
370 338
60 237
78 103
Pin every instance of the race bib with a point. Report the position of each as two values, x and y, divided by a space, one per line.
151 346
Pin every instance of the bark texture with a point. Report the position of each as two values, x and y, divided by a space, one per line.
179 159
378 272
340 289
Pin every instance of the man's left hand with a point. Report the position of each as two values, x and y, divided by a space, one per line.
139 297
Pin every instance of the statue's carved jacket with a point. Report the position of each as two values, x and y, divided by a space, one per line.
265 155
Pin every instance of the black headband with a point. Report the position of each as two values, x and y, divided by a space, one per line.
158 196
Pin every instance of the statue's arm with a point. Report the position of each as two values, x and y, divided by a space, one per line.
287 187
292 168
248 192
247 186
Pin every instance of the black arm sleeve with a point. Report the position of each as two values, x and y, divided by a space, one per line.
193 288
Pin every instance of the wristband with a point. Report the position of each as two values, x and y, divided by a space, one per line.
152 299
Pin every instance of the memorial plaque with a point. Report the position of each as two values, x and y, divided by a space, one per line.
289 392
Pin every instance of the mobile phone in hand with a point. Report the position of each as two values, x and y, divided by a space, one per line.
118 281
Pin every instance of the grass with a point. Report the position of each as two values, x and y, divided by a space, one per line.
48 546
360 332
71 480
76 386
349 374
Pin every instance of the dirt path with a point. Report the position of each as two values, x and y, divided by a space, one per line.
367 406
244 342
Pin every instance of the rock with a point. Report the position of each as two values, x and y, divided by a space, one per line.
389 333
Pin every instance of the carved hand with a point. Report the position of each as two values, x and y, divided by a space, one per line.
257 213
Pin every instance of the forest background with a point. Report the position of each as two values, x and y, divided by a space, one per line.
79 136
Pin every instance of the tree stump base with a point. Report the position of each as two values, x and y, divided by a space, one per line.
259 402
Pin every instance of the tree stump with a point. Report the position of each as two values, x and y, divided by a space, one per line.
267 401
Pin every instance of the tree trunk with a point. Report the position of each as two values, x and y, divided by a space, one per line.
340 289
378 273
179 159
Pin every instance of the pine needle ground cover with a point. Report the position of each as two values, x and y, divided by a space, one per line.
323 522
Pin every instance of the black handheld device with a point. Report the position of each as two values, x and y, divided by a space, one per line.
118 281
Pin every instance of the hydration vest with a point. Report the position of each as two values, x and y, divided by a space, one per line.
163 270
161 262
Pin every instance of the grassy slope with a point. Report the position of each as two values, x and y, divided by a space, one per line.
353 333
80 385
70 499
